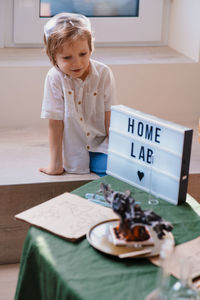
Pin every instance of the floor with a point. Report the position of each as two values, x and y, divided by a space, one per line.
9 273
8 281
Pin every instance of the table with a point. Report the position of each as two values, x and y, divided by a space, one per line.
52 268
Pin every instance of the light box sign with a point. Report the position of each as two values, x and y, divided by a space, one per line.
149 153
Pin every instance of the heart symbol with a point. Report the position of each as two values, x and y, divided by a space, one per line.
140 175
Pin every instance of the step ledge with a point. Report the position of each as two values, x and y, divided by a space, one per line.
34 57
23 152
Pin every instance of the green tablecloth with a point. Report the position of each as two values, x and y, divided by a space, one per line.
54 269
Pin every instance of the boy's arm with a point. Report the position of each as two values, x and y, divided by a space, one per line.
107 122
55 135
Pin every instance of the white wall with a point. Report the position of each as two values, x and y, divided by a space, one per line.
2 23
169 91
21 96
184 27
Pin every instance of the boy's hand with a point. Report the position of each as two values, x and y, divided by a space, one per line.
52 171
55 133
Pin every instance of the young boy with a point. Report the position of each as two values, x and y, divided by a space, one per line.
78 94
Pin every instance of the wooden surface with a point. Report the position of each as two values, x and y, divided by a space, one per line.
194 186
17 198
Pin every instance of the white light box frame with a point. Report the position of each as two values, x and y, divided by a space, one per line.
149 153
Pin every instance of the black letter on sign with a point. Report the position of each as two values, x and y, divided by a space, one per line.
149 132
149 155
141 155
131 125
140 128
132 149
157 135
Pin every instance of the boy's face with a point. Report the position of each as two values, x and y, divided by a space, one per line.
74 58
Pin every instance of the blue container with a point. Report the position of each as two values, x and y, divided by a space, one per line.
98 163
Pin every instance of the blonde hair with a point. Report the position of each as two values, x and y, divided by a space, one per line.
65 27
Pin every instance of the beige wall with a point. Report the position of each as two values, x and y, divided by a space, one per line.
170 91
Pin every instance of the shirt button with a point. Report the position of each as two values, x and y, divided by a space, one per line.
88 133
81 119
95 94
79 102
88 147
69 92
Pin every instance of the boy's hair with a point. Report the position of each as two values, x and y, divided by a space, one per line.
65 27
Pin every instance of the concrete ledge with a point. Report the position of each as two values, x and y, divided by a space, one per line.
22 152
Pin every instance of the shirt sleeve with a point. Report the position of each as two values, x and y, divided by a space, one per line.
110 97
53 101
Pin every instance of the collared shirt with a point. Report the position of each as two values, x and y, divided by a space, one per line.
82 106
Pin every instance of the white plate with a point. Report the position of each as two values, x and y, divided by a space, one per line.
99 236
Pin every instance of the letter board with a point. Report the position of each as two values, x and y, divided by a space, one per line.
145 150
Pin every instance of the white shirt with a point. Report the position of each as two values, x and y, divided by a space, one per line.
82 106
